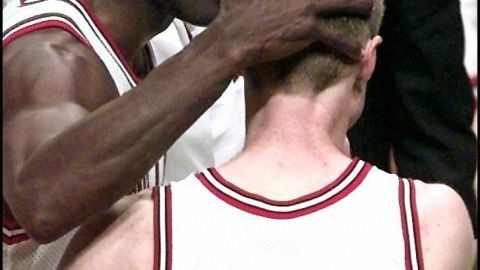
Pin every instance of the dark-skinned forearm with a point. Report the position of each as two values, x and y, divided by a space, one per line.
87 168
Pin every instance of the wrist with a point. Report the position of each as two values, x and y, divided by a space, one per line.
221 45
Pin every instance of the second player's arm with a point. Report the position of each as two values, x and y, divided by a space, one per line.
64 161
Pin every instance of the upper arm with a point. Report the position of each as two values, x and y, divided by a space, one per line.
47 87
445 228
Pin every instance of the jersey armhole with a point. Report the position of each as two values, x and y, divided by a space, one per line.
45 25
410 225
156 233
162 231
416 223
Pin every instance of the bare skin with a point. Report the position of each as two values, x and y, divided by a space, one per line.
100 244
288 125
72 147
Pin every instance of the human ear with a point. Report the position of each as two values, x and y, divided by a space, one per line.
369 58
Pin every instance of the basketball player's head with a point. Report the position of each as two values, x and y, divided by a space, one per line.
317 68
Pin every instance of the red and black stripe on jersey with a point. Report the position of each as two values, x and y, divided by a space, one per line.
162 197
279 213
411 262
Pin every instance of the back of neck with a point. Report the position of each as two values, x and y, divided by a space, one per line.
295 142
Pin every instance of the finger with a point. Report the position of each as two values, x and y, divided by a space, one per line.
343 7
349 47
290 49
318 33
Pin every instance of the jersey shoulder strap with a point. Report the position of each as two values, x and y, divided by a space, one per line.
410 224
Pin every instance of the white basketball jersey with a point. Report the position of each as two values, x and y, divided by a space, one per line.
21 17
365 219
219 134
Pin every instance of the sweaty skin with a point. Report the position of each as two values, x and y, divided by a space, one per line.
72 147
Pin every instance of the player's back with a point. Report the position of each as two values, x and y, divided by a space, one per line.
365 219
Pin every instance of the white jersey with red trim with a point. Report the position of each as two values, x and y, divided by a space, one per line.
365 219
21 17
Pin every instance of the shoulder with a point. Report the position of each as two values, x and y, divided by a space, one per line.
50 61
118 238
50 45
132 206
438 200
445 227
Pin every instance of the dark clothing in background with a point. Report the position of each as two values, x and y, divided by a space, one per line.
419 100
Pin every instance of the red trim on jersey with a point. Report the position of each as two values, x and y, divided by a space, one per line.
416 225
8 221
22 2
10 224
109 39
11 240
304 198
255 210
168 225
44 25
156 229
403 216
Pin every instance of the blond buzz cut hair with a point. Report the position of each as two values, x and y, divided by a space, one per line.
319 65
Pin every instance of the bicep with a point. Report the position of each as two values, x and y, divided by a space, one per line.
46 89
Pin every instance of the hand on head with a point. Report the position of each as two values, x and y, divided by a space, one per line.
263 30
